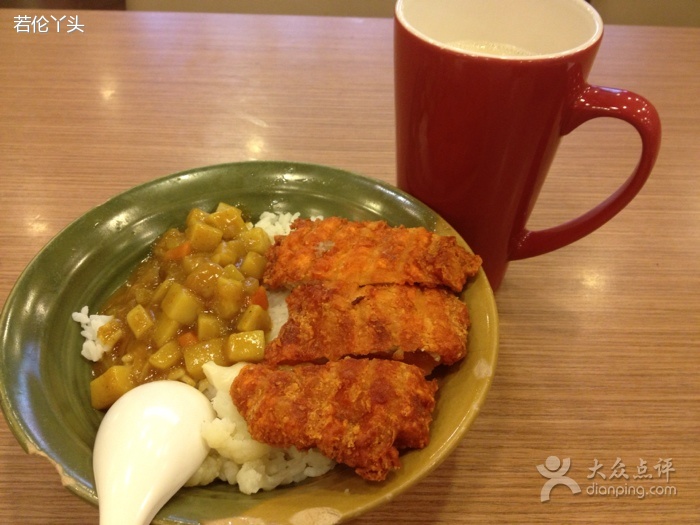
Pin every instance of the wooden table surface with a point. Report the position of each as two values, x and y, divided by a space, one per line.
600 342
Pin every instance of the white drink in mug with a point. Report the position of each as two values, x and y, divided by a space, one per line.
485 47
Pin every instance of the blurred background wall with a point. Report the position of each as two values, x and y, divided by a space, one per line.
364 8
649 12
64 4
641 12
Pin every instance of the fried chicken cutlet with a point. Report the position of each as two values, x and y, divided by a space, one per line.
359 412
329 321
367 253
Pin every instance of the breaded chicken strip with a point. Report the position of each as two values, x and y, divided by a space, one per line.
359 412
367 253
329 321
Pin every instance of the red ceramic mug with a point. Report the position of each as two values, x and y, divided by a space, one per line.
485 89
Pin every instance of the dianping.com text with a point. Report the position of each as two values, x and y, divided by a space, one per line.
638 491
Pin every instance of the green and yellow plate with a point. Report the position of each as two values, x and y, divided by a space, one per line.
44 380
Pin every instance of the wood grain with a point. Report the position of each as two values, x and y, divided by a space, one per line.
600 341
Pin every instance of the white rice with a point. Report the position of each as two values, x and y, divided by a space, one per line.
93 347
276 223
279 223
277 308
235 457
238 459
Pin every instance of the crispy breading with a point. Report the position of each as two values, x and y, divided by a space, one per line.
329 321
367 253
359 412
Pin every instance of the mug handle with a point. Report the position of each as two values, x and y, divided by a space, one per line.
592 102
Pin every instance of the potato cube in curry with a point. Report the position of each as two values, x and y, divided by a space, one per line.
223 206
208 326
164 330
203 278
255 317
166 356
253 265
230 297
228 219
140 321
110 386
110 332
256 240
245 346
231 272
161 290
195 215
198 354
181 305
228 252
203 236
192 261
250 285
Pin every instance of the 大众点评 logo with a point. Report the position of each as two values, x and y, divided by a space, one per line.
555 471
